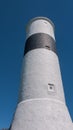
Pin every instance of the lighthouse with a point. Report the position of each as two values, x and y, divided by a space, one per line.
41 102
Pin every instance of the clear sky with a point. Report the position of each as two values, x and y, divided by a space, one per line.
14 15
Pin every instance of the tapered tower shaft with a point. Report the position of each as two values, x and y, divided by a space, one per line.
41 104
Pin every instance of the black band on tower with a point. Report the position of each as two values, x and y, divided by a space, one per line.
40 40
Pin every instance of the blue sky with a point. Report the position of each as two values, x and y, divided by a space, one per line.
14 15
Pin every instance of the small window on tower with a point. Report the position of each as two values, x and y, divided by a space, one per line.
51 87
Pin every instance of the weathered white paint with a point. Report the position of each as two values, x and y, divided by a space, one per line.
40 25
40 69
42 115
39 108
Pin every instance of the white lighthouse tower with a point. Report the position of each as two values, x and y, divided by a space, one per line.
41 104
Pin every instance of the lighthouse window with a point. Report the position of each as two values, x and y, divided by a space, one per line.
51 87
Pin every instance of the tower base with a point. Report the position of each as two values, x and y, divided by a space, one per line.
42 114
